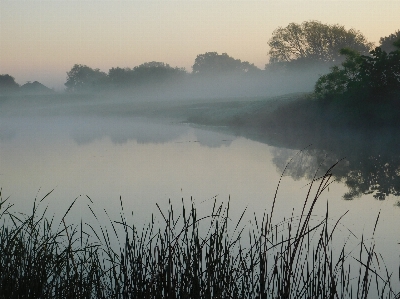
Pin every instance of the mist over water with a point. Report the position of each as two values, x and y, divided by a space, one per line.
120 139
265 84
148 162
140 146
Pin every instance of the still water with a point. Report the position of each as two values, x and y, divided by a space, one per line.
147 162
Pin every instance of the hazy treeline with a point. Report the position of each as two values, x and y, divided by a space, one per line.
209 66
310 47
299 54
9 86
213 75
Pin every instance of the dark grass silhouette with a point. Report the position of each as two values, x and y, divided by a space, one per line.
187 257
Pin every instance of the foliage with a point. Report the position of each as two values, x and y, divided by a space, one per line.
157 72
212 63
8 84
82 78
120 76
314 41
373 76
337 81
145 74
386 43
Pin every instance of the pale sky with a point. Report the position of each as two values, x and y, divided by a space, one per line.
41 40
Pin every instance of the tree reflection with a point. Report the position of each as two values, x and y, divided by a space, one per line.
370 165
379 175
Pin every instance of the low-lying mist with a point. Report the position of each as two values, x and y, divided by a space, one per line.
222 86
186 90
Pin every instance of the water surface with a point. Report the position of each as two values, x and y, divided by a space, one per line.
148 162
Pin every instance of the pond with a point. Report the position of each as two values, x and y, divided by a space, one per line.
145 162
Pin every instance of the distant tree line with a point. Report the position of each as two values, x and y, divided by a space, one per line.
210 64
8 86
294 47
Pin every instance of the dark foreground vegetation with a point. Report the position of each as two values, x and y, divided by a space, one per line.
188 256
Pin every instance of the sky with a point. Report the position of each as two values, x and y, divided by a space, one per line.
41 40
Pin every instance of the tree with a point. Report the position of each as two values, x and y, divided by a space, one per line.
386 43
380 72
83 78
157 72
247 67
377 74
147 73
313 41
212 63
35 87
337 81
120 76
8 84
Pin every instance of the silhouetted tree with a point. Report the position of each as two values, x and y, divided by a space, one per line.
386 43
35 87
120 76
247 67
8 84
145 74
337 81
83 78
157 72
212 63
312 41
377 74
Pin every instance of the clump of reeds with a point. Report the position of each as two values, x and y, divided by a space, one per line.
186 257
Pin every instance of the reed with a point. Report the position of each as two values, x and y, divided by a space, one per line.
188 256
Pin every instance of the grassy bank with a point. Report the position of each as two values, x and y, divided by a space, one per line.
346 112
207 111
188 256
296 111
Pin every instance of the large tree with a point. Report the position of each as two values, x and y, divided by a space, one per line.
83 78
212 63
312 41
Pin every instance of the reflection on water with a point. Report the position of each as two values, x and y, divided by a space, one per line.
370 165
141 130
149 162
120 131
144 161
